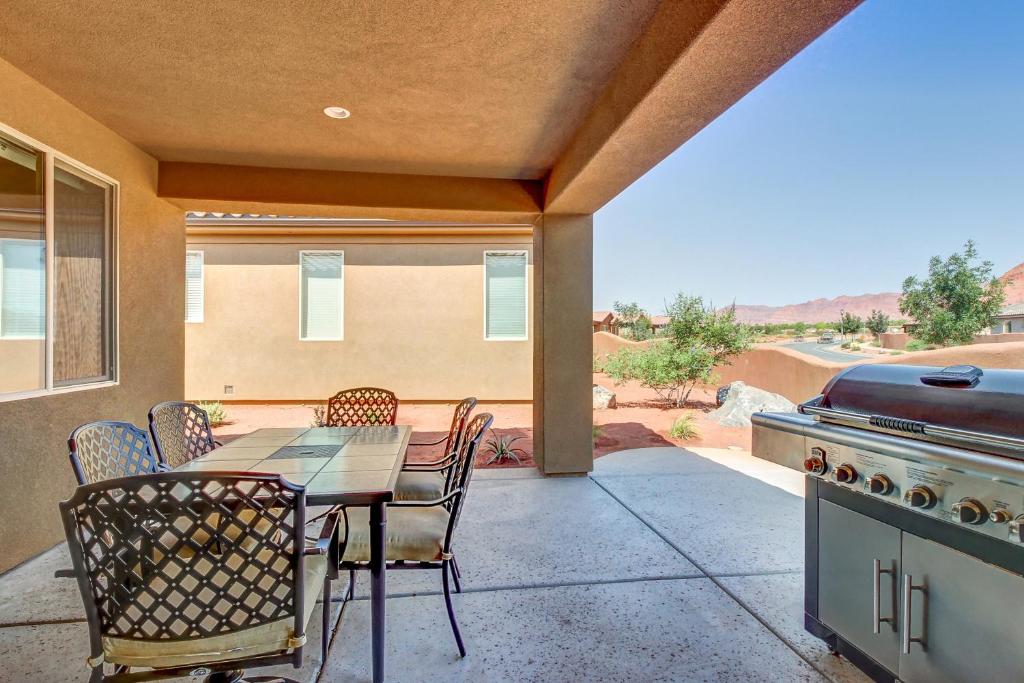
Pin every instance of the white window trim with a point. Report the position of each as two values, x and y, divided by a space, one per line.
526 289
202 287
341 337
50 155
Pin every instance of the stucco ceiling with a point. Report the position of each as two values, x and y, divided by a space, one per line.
483 89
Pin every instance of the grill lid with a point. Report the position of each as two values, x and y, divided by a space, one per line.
983 409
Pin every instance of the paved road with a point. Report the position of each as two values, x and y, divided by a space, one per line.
825 351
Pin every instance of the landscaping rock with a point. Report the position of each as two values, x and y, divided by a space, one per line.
743 401
721 395
603 398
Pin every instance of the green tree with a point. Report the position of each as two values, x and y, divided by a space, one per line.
634 322
849 323
877 323
698 338
958 299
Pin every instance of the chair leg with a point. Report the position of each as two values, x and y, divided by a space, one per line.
451 611
455 578
326 630
455 567
351 584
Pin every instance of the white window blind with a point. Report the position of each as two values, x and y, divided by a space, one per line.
22 289
322 295
505 295
194 287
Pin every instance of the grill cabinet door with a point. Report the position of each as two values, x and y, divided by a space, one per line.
848 545
970 618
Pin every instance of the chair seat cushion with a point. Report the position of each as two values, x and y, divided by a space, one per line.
414 534
268 638
419 486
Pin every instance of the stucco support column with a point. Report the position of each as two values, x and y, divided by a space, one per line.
563 344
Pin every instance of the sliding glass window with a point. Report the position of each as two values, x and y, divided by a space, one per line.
57 277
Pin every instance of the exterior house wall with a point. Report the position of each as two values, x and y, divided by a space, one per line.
413 321
151 239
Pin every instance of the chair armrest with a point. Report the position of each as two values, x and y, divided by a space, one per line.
428 443
424 503
217 443
439 464
328 542
164 467
65 574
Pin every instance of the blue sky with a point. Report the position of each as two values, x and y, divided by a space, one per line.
895 136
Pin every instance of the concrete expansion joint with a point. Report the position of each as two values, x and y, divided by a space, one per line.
721 586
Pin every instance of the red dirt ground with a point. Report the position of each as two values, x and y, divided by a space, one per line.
638 421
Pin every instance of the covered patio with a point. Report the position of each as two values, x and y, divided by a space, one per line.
659 565
663 575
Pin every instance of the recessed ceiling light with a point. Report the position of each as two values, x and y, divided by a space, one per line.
337 112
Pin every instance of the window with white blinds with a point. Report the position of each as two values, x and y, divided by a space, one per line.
194 287
22 289
505 294
322 295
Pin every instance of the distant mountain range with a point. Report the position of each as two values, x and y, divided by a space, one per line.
821 310
828 310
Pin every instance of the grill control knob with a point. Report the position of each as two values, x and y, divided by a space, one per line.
845 474
920 497
815 464
879 484
969 511
1000 516
1017 529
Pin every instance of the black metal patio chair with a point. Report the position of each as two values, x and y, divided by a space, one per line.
163 601
365 406
432 480
421 533
181 432
108 450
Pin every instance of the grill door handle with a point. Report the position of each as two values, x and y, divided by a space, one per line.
908 592
877 618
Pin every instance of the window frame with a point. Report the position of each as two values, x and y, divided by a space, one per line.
202 286
526 292
50 157
302 309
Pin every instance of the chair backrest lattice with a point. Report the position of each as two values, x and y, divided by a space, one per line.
463 470
108 450
183 555
181 432
365 406
457 430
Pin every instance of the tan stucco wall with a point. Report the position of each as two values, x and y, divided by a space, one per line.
898 340
33 432
413 322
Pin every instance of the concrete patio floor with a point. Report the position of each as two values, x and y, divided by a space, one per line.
678 565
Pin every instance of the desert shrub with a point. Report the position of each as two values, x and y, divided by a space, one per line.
917 345
855 347
319 416
596 432
499 448
215 411
685 428
845 345
698 338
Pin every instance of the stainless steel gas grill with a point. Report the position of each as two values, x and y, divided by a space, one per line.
914 518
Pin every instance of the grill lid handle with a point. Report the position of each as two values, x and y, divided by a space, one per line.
954 376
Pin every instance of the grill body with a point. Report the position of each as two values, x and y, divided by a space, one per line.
914 509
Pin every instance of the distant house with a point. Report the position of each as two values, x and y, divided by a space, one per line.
659 322
605 321
1010 320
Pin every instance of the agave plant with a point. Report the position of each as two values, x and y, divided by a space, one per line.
499 448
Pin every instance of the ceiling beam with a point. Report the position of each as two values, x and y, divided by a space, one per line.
694 61
285 191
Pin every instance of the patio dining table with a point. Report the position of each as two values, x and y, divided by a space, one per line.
338 466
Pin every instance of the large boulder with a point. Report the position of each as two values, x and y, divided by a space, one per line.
743 401
603 398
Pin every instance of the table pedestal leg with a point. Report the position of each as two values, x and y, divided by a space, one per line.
378 539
